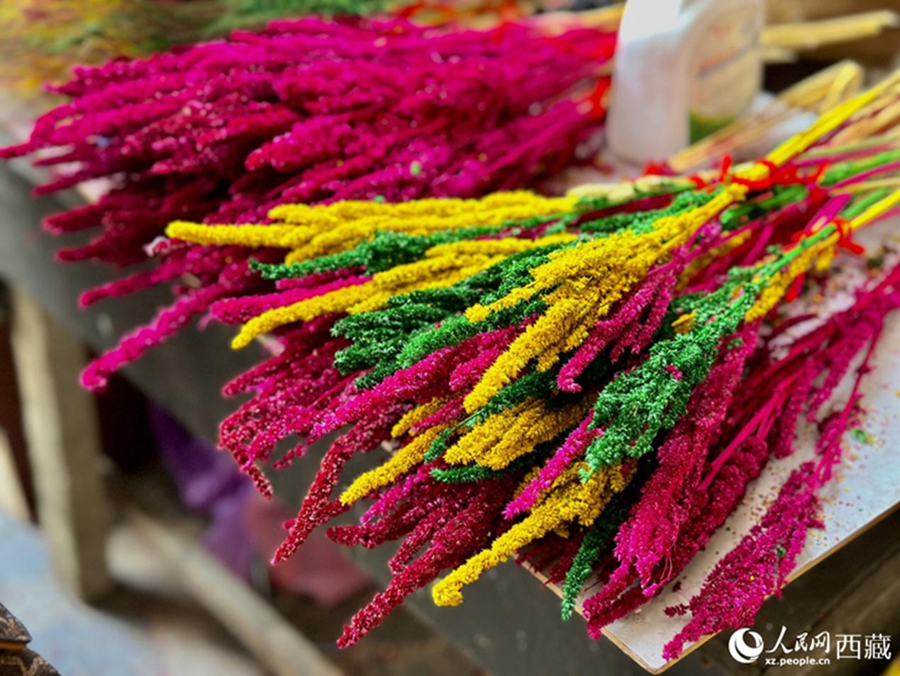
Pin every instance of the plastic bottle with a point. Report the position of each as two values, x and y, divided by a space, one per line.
683 69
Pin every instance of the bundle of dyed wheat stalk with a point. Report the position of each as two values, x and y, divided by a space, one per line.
303 112
573 382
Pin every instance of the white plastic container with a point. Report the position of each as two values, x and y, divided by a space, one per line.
684 68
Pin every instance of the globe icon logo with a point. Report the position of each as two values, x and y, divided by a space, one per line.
745 646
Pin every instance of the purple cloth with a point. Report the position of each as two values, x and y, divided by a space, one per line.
208 481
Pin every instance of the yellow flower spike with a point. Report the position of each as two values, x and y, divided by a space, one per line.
506 246
411 274
772 294
581 503
417 415
485 434
305 214
433 206
514 441
587 321
551 329
684 323
562 530
823 262
278 236
399 464
547 360
338 212
529 432
292 213
306 310
874 211
582 317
